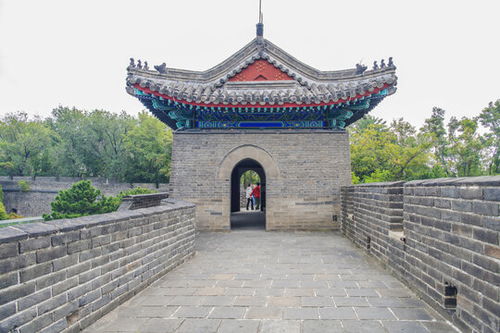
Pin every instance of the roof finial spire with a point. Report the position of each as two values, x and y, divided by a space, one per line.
260 25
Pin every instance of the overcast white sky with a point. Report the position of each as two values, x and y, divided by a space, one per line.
75 52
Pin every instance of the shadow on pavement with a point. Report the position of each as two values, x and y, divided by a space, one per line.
248 220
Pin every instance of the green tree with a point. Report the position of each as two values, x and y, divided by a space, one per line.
25 145
80 200
490 119
249 177
434 129
3 213
91 143
148 148
386 153
466 147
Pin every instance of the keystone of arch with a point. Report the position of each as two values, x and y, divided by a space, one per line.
240 153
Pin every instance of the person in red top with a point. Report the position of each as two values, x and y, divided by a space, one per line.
256 195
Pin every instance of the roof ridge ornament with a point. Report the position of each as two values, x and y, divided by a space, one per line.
260 25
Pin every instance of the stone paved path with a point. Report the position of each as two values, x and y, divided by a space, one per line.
257 281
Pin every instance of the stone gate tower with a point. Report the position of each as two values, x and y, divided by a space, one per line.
261 109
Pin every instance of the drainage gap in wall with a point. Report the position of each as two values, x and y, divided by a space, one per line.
450 296
368 242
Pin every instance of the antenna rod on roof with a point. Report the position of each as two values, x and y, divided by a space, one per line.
260 25
261 18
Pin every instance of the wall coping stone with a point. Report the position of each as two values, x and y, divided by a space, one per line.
458 181
381 184
468 181
23 231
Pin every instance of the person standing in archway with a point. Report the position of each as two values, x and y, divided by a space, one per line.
248 195
256 194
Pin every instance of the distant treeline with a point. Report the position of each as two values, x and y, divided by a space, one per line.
78 143
463 147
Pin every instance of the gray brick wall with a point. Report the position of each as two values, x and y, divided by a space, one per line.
43 190
63 275
303 193
449 239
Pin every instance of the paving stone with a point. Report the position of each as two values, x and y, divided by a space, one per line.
157 325
250 301
343 284
267 312
192 312
240 326
374 313
313 284
230 283
394 292
322 326
301 313
236 274
199 326
177 291
281 326
126 324
284 301
257 284
404 327
182 300
438 327
362 326
217 300
239 292
299 292
330 292
362 292
210 291
286 284
411 314
350 301
228 312
337 313
317 301
269 292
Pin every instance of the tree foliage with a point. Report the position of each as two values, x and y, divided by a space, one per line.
399 151
148 148
79 143
80 200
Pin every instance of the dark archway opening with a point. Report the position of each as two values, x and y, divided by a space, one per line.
240 217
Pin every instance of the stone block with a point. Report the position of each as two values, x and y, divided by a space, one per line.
16 292
9 279
17 320
492 194
7 310
8 250
44 255
33 299
485 208
52 303
32 272
17 262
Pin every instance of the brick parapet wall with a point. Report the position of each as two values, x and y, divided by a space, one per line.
450 238
61 276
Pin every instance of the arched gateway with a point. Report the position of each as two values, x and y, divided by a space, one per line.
264 110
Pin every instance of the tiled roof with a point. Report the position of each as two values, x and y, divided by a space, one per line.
298 83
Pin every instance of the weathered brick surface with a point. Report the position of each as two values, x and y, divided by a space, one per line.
449 236
302 193
63 275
